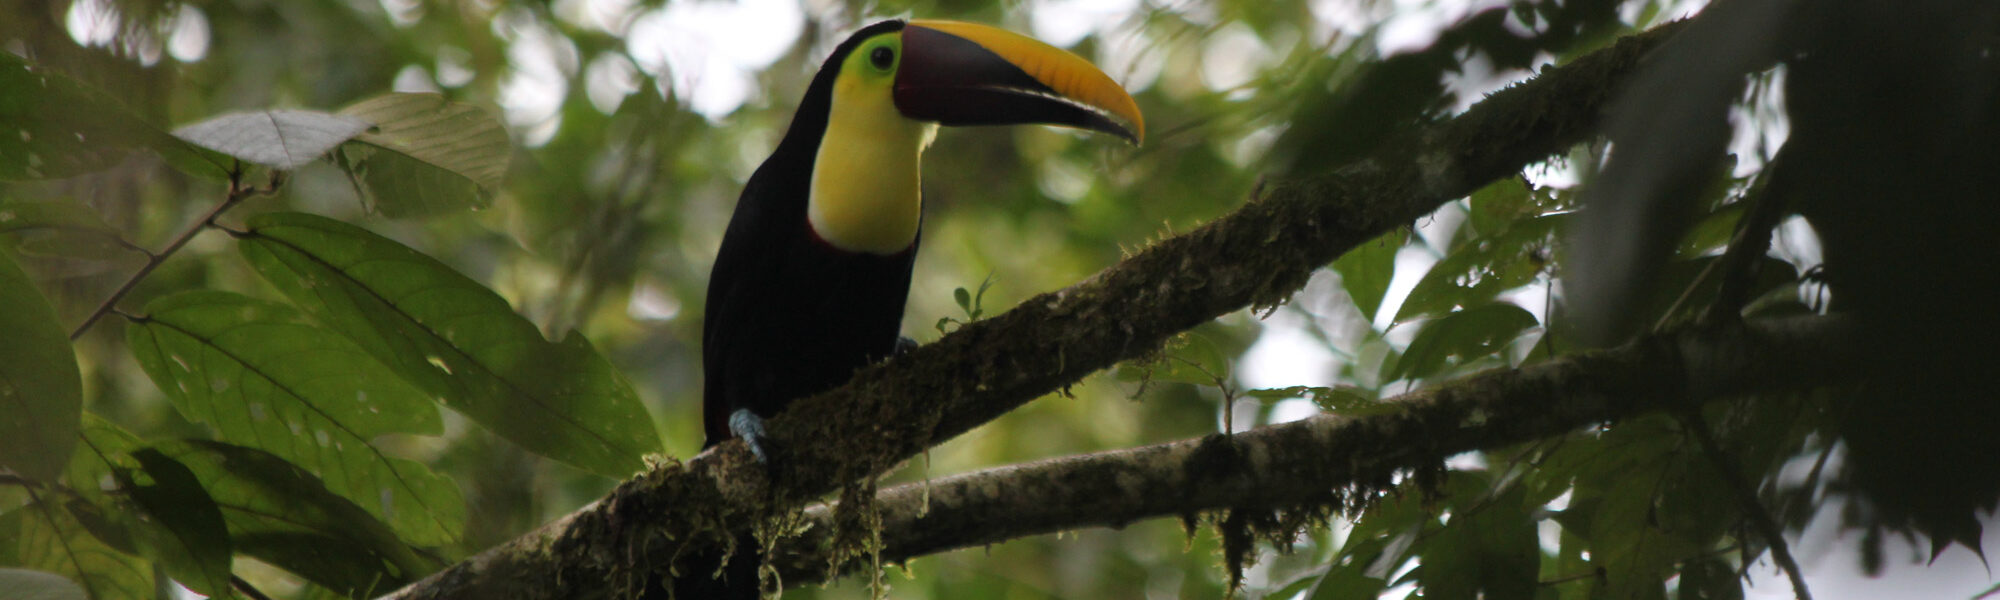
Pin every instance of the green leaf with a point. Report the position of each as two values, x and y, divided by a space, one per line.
1480 269
258 372
1494 207
1344 400
46 538
52 126
41 392
1489 549
426 155
1366 270
1466 335
456 340
24 584
61 229
280 139
282 515
184 531
964 299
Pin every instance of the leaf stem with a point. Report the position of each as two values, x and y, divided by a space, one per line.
237 193
1766 526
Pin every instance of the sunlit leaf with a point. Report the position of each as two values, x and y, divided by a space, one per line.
426 155
280 139
41 392
52 126
457 340
183 529
260 374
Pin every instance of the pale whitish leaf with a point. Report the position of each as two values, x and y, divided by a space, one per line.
282 139
426 155
24 584
47 538
41 392
457 340
261 374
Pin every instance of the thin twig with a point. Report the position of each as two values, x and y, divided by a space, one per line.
1759 517
237 193
244 587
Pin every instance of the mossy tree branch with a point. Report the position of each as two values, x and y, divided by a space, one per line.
1308 462
1256 256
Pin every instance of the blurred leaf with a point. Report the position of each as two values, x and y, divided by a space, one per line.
52 126
183 529
1712 232
18 216
1494 207
1467 334
1489 548
280 139
1366 270
41 392
282 515
457 340
45 538
259 373
1190 358
1343 400
24 584
426 155
1709 579
1480 269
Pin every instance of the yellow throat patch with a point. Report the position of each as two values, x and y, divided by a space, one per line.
866 181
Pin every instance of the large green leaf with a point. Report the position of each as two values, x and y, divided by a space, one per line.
426 155
282 515
46 538
41 392
280 139
262 375
52 126
183 529
457 340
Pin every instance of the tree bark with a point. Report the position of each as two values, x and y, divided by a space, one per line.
1300 463
1254 257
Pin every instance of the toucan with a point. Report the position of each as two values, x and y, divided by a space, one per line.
814 269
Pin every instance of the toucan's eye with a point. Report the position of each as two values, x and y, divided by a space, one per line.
882 57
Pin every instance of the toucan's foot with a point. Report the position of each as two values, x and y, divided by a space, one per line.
905 346
750 427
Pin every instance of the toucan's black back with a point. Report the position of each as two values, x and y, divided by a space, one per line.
789 315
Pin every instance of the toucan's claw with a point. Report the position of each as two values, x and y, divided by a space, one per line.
747 425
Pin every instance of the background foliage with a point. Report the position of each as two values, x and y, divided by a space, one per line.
527 244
